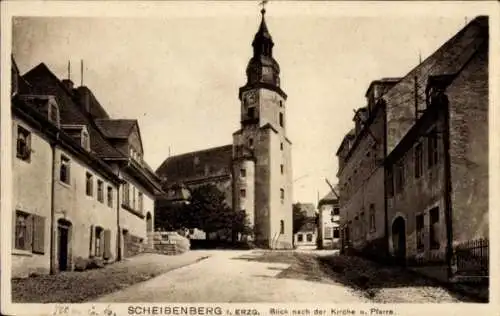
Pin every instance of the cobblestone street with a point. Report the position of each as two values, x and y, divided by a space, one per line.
286 276
77 287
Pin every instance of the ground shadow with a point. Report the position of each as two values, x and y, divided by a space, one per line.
365 277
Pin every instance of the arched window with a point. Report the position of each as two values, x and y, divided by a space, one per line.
282 227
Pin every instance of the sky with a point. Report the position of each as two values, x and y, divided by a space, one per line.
179 74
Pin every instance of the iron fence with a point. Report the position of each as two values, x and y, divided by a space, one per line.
472 257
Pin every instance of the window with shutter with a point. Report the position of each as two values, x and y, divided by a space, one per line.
434 228
98 242
23 144
133 198
64 172
29 234
21 230
336 232
328 232
38 234
141 202
89 184
100 191
309 237
110 196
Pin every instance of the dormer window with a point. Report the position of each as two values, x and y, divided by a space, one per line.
85 140
53 112
23 144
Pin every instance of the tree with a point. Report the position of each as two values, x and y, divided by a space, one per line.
210 212
169 216
299 217
206 210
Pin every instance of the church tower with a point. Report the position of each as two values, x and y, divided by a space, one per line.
262 166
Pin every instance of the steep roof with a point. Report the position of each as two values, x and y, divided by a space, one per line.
197 165
308 226
117 129
330 196
449 59
308 208
18 83
44 82
95 109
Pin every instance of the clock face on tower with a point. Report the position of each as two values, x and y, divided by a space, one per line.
251 97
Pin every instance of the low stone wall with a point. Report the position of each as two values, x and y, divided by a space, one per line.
167 243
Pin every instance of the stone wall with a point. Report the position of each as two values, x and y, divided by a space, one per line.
468 103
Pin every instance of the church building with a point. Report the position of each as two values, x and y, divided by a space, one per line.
255 172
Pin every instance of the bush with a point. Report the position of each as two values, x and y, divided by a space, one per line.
81 264
95 263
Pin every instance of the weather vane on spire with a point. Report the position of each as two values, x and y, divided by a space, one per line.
263 4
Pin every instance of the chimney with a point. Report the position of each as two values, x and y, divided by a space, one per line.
84 98
68 84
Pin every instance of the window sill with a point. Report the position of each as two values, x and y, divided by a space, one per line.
64 184
19 252
133 211
25 159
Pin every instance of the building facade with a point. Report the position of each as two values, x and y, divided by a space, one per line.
255 172
436 173
425 182
361 173
68 175
307 235
328 222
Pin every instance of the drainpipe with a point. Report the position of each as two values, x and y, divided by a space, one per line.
447 186
52 260
118 203
386 217
118 231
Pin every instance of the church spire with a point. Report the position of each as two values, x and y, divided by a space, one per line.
263 70
262 42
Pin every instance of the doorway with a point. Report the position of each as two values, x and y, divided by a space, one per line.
126 241
63 239
149 222
399 240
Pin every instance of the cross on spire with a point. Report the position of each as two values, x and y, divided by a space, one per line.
263 4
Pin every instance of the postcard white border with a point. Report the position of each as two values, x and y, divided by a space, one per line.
248 8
